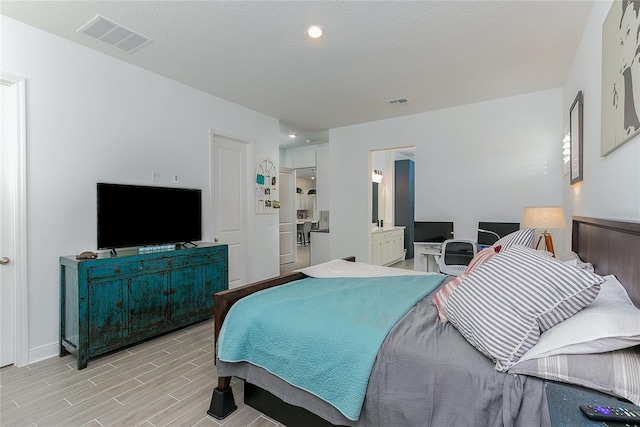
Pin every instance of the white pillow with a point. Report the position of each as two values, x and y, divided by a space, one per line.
572 258
610 322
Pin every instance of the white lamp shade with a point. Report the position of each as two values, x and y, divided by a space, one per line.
543 217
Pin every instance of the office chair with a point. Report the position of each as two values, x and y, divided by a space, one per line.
455 255
303 232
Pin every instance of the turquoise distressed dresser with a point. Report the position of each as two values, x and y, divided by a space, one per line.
110 302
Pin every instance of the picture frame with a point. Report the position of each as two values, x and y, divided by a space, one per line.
266 188
575 134
620 108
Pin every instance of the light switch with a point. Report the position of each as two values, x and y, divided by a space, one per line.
155 176
176 178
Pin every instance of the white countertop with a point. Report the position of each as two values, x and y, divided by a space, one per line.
382 230
302 221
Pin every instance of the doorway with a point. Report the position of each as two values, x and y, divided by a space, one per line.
304 198
14 343
387 208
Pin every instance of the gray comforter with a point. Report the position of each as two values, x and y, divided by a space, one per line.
425 374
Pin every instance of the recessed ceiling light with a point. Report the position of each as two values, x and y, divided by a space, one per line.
314 31
292 135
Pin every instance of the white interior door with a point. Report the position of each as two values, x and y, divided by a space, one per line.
7 220
287 189
230 224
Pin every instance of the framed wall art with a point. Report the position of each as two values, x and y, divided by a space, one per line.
620 75
575 133
266 192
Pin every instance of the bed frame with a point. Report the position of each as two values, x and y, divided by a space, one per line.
613 247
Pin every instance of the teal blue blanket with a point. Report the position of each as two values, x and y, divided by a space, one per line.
321 335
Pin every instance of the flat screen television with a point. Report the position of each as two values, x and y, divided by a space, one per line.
432 231
133 215
502 228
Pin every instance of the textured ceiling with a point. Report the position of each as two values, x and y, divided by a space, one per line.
437 54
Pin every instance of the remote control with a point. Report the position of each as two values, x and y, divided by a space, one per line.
611 413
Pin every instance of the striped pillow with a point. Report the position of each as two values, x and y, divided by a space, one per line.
524 237
441 297
615 372
506 303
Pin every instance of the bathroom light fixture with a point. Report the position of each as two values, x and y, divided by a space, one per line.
314 31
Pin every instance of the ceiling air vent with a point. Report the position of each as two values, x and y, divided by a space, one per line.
398 101
114 34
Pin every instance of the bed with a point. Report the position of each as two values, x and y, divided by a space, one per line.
426 372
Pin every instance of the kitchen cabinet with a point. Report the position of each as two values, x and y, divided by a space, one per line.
305 202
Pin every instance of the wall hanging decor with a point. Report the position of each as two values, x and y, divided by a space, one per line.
575 133
620 75
266 192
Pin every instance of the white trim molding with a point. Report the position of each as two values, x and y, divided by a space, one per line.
20 215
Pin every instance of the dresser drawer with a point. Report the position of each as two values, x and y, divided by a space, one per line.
214 255
174 261
113 269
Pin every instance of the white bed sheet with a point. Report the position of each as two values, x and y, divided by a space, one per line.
342 268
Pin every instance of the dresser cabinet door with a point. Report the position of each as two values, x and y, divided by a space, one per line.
215 280
106 316
148 298
187 293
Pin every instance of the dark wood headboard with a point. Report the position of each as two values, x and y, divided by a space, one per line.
613 247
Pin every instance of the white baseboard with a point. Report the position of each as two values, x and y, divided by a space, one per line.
43 352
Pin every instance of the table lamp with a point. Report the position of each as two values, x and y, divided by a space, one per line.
544 217
482 230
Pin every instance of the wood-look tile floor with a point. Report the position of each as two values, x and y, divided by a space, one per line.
166 381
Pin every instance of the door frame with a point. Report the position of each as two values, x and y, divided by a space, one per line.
292 211
247 218
20 226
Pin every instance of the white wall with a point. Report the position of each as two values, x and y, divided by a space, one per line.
611 185
92 118
478 162
300 157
